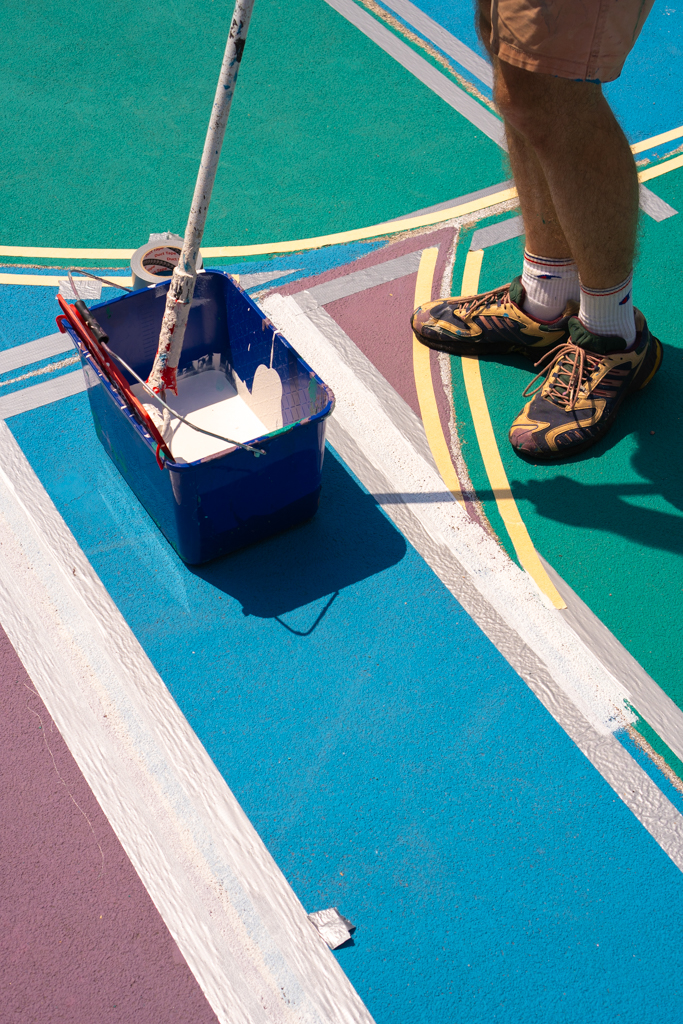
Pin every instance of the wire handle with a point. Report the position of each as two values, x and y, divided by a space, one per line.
158 398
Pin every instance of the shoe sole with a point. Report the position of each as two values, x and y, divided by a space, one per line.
474 348
557 456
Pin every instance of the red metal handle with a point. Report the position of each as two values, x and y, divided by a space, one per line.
111 372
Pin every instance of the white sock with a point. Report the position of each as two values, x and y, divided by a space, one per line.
609 311
549 284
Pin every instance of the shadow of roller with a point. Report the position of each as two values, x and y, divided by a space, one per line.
348 540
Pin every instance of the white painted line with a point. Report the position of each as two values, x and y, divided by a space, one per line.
503 186
251 280
34 351
42 394
653 206
513 227
395 407
243 932
665 717
49 281
438 35
359 281
451 93
578 690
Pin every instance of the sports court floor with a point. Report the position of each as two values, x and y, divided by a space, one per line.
451 705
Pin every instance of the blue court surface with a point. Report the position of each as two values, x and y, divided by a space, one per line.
486 784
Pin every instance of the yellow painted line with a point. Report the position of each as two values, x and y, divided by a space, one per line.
385 228
425 386
470 276
654 172
66 254
507 506
53 282
339 237
657 140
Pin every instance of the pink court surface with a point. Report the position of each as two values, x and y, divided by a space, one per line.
450 705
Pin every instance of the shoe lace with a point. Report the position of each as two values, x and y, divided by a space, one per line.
567 367
469 307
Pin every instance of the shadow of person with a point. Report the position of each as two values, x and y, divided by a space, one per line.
348 540
630 509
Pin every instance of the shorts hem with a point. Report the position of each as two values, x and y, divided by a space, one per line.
576 71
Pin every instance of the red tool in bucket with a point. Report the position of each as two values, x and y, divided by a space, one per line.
181 290
218 359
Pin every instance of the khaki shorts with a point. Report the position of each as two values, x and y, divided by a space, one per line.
585 40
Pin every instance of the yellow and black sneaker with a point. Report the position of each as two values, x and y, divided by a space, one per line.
586 380
492 323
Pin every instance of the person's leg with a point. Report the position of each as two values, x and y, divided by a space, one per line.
549 274
544 234
593 188
578 191
550 277
555 179
592 184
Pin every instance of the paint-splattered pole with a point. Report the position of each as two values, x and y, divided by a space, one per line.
181 289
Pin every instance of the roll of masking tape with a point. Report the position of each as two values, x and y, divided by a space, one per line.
153 263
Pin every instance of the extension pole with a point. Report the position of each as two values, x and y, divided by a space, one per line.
181 289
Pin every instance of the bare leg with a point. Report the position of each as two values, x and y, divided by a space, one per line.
573 168
589 207
544 236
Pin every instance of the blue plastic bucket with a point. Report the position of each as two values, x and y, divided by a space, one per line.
225 501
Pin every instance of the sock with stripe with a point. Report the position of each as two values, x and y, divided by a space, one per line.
609 311
549 284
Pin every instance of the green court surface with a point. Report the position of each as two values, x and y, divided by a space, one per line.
327 132
610 521
391 743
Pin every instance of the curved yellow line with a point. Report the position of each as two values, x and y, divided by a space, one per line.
339 237
507 506
425 386
53 282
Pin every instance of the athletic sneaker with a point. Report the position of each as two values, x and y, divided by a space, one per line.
586 380
489 324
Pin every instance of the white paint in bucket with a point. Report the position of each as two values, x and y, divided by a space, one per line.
208 399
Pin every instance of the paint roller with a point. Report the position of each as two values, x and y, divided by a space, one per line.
181 289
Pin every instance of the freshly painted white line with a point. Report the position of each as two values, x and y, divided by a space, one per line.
395 407
49 281
451 93
42 394
359 281
438 35
42 371
243 932
34 351
665 717
578 690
